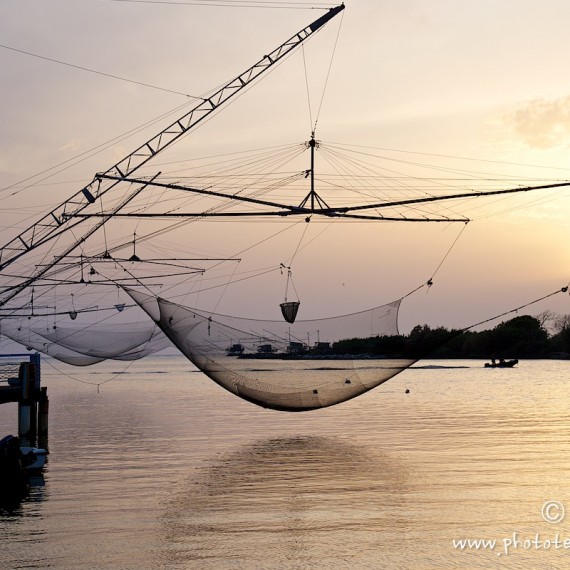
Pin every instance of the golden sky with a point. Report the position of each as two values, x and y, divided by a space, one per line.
485 81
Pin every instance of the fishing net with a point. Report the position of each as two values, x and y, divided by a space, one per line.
9 371
86 344
280 365
289 310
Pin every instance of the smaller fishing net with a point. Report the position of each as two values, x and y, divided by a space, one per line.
280 365
289 310
86 344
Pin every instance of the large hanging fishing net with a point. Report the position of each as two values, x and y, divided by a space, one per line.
275 364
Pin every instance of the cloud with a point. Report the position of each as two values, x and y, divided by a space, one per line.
74 145
540 123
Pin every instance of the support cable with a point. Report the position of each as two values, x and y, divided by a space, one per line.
80 67
430 280
515 310
328 73
308 90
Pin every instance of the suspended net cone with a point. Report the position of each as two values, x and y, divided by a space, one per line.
87 344
283 366
289 310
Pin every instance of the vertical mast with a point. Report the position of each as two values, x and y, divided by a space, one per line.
312 144
312 199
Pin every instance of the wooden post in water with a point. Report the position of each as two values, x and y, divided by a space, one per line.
43 413
26 421
35 380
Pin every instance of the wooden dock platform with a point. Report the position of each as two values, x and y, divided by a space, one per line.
9 394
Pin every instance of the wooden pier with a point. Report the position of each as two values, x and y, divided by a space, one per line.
20 381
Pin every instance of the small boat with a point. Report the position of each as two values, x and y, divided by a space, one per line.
502 363
20 468
14 480
33 458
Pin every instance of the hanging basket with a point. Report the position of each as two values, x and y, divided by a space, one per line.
289 310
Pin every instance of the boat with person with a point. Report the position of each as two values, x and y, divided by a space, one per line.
502 363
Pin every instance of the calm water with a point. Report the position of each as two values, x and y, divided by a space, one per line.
164 469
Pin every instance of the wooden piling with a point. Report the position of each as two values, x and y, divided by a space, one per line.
43 415
26 406
32 399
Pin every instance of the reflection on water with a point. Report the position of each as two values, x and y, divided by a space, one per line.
13 496
165 469
305 500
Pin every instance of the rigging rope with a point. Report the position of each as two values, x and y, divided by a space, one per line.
98 384
430 281
299 244
328 72
97 72
225 288
285 5
308 90
562 290
289 279
88 153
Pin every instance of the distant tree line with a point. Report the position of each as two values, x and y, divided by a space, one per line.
544 336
